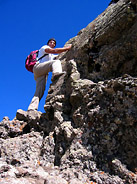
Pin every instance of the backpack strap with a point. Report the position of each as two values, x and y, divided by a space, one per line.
42 57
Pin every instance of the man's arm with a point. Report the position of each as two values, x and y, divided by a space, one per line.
58 50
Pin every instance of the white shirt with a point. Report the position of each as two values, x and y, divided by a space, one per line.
47 57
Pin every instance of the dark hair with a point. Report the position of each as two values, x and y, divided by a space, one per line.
51 40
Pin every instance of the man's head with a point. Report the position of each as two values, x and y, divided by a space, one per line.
51 42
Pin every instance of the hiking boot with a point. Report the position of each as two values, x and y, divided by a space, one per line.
56 76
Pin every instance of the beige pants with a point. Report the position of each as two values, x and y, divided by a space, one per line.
41 71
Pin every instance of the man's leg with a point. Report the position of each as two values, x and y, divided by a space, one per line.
46 67
40 88
56 70
56 67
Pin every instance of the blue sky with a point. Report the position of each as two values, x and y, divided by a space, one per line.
26 25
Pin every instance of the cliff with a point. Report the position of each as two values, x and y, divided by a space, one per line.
88 131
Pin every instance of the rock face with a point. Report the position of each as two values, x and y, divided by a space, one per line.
89 131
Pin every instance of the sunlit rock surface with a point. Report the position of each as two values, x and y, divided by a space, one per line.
88 133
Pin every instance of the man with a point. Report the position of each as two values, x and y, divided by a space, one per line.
43 67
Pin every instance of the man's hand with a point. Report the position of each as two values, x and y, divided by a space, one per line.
58 50
68 46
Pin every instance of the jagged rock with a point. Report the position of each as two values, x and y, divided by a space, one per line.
21 115
47 150
19 149
31 115
58 117
101 177
88 133
123 172
11 128
55 179
6 118
34 115
75 181
68 130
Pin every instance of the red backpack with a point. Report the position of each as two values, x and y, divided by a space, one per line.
32 59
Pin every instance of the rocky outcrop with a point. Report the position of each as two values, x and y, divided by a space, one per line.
88 132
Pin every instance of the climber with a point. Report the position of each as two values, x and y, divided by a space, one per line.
43 67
